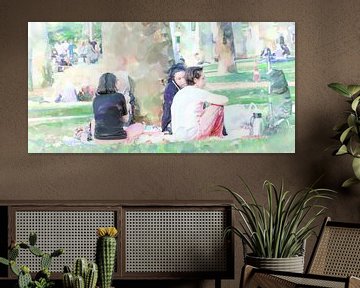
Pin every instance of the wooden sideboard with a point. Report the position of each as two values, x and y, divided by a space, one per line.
157 240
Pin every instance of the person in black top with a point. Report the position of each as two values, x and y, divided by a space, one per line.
176 81
109 109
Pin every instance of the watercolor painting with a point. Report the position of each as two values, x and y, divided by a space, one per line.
161 87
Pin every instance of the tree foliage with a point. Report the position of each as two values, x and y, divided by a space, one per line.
61 31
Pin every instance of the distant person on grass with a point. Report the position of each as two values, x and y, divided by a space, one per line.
67 94
176 81
196 113
110 112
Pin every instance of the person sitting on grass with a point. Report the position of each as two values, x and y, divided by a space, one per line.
196 113
110 112
176 81
67 94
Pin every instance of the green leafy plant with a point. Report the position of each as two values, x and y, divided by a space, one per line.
279 229
349 132
42 278
43 283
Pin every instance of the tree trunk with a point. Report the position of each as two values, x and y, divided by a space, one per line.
226 48
88 30
40 71
145 51
206 42
30 77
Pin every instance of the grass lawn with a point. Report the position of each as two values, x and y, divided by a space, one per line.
53 134
55 137
249 95
245 72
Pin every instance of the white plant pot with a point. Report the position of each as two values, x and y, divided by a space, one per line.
291 264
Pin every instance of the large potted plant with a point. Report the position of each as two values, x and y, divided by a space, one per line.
275 234
348 132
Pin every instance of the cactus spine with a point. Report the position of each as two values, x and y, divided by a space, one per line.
105 254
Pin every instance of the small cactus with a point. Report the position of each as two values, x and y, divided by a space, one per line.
32 238
14 268
80 267
36 251
13 253
45 261
91 276
68 280
79 282
24 278
105 254
57 252
84 274
67 269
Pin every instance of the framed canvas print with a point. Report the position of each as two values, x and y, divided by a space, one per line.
161 87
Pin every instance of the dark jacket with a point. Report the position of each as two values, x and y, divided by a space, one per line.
170 90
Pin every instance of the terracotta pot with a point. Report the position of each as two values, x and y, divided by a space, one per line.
291 264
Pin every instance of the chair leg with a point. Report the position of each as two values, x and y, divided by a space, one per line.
245 278
250 278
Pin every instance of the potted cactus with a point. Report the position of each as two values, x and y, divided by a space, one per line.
42 278
106 254
85 275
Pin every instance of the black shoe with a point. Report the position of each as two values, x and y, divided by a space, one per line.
224 133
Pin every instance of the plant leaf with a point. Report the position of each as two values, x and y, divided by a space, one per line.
345 134
342 150
349 182
354 145
4 261
340 88
351 120
355 103
356 167
353 89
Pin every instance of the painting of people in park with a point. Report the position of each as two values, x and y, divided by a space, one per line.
161 87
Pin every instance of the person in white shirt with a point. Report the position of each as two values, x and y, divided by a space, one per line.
196 113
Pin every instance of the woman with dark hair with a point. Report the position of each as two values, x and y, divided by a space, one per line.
110 112
176 81
196 113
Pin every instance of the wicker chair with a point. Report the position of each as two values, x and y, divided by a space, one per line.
334 263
